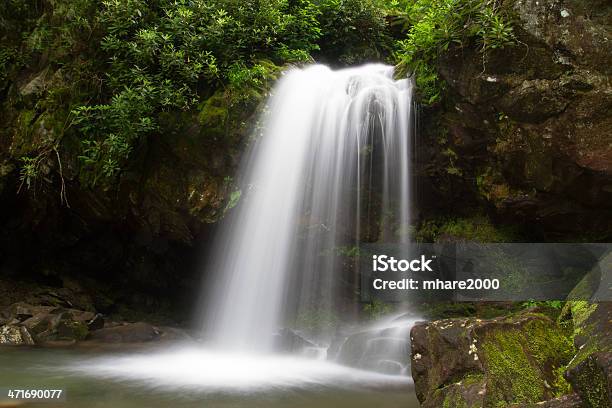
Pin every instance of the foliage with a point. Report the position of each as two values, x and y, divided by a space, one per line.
435 26
354 31
164 55
121 65
29 170
110 130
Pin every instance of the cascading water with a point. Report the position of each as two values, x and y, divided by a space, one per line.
330 169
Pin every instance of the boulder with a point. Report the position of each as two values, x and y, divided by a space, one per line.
474 362
15 335
58 324
127 333
96 323
46 323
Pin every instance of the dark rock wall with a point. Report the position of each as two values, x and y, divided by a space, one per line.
525 132
134 245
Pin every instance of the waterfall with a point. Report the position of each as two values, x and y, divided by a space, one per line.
329 169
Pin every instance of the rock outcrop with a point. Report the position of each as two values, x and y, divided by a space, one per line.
25 324
523 361
468 362
525 130
590 371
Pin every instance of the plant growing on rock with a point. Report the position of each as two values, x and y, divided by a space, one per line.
436 26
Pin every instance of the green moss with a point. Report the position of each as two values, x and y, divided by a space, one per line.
472 379
315 321
491 184
548 344
512 376
553 348
214 115
560 384
80 331
70 329
581 310
593 385
477 229
526 364
461 394
454 400
376 309
23 133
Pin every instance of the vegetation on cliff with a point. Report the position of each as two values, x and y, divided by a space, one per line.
107 76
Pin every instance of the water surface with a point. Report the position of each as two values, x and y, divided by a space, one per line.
192 377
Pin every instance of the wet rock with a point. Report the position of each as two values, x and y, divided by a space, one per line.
385 350
287 340
96 323
36 85
173 334
487 362
15 335
127 333
59 324
48 323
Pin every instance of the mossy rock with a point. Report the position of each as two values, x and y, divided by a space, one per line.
490 363
214 115
521 362
71 330
466 393
590 371
592 379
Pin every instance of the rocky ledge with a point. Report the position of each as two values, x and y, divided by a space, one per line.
523 360
25 324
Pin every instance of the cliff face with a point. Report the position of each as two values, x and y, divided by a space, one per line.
525 130
525 135
133 242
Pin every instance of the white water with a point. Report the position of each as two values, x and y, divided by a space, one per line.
213 371
383 346
330 169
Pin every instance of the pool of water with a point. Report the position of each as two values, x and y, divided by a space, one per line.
194 377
